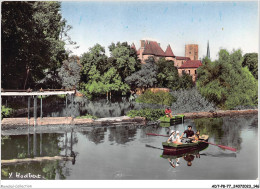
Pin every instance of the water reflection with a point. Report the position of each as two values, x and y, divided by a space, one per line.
38 145
122 134
96 135
225 131
188 155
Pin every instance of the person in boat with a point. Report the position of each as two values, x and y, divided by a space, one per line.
168 112
172 137
196 137
189 133
178 139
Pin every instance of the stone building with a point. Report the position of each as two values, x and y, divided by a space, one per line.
190 67
152 48
188 64
192 51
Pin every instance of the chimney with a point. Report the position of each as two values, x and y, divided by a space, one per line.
142 43
159 44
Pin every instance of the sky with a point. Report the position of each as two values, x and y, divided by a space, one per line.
229 24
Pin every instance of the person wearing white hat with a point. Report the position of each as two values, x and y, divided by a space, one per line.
172 137
178 140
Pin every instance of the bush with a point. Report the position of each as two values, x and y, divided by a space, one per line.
162 98
190 100
5 112
149 114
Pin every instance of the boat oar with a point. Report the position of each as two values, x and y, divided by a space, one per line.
153 134
165 149
221 146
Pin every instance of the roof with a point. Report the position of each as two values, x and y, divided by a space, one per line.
153 48
182 58
191 64
169 52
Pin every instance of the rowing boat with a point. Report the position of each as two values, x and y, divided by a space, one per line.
180 153
182 148
174 119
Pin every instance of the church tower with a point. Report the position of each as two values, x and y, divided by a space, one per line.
208 52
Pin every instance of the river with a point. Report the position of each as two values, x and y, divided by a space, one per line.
125 152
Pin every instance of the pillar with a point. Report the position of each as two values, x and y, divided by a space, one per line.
29 101
35 110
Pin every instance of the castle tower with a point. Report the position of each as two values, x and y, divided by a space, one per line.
192 51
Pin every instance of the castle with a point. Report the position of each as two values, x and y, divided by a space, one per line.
188 64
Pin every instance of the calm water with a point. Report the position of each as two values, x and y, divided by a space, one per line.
126 152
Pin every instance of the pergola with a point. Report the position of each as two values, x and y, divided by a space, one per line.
34 94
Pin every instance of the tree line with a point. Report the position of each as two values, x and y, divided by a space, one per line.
33 39
122 72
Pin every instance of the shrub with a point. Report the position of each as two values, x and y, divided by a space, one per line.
149 114
190 100
5 112
162 98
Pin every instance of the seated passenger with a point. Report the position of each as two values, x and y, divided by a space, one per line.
172 137
168 112
196 137
178 140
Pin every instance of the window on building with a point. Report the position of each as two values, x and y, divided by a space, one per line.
189 72
195 71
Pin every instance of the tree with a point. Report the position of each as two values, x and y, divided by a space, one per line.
167 74
124 59
144 78
31 46
69 73
185 82
94 63
98 77
226 83
251 61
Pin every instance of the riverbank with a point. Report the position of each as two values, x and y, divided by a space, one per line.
13 123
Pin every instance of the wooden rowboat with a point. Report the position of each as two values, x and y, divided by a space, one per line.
174 119
180 153
184 147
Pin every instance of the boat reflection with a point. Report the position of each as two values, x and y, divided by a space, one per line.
174 156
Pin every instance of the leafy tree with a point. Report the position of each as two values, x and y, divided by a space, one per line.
31 47
144 78
167 74
69 73
94 63
185 82
251 61
226 83
124 59
97 76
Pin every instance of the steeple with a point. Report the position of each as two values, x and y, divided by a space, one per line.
208 52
